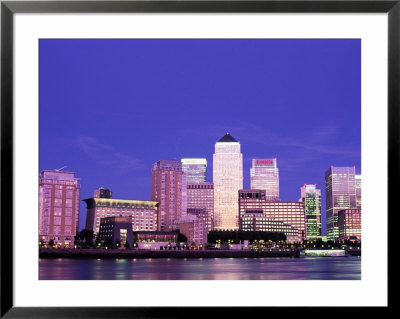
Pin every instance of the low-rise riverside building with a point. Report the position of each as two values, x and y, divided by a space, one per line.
155 236
117 228
254 221
143 214
195 229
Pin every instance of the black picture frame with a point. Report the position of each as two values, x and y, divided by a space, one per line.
9 8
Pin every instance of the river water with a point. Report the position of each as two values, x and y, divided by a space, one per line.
314 268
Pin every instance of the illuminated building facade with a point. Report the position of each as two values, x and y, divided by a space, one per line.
264 174
340 190
117 228
358 191
169 188
143 214
59 199
228 179
200 197
155 236
258 221
290 213
311 199
194 228
349 224
194 169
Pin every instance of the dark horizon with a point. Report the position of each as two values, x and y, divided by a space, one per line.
109 109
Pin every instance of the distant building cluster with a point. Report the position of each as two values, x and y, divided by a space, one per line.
182 201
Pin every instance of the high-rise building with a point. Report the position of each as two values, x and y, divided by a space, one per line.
59 199
311 198
194 169
142 213
228 179
349 224
169 188
358 191
201 197
102 193
340 190
254 202
264 174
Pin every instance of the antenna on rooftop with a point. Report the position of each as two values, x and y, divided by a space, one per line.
61 168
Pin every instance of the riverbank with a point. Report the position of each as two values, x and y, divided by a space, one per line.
132 253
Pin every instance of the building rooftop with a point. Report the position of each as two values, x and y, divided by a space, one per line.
227 138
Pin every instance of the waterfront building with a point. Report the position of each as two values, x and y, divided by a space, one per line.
258 221
194 228
254 201
143 214
228 179
311 199
200 200
59 199
358 190
349 224
264 174
155 236
117 228
102 193
169 188
194 169
340 190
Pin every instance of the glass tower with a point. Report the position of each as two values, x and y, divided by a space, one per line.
228 180
311 199
340 190
264 174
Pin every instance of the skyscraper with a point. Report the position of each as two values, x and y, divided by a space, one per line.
169 188
311 198
194 169
59 199
228 179
340 190
264 174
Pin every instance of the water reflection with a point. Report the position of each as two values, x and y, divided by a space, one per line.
314 268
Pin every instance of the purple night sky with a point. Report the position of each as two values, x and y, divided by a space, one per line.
110 108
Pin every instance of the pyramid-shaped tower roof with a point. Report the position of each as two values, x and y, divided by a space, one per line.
227 138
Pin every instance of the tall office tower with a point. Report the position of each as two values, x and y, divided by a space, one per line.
264 174
253 203
142 213
59 199
228 179
311 198
200 201
358 191
340 190
169 188
102 193
194 169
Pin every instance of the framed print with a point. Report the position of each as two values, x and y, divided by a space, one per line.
196 154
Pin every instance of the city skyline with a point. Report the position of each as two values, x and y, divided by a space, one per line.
104 121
